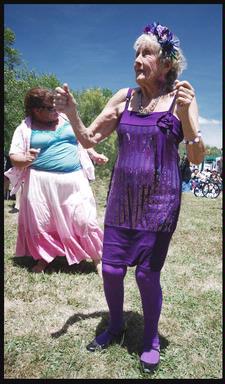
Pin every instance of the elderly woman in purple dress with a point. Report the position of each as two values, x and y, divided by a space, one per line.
145 190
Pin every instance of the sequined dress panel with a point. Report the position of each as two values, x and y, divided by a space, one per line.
145 188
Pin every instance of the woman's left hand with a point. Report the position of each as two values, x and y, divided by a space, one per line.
184 94
100 159
97 158
63 100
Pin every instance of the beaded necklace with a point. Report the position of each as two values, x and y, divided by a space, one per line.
147 110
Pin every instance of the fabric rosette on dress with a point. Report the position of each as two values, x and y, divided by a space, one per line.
169 124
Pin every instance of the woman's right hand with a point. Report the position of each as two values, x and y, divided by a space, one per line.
31 155
64 100
24 160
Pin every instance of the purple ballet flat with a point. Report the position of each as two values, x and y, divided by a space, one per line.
148 367
115 339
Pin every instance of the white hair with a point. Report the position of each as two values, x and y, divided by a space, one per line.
178 64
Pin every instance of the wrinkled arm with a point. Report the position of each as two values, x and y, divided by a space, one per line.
186 109
101 127
190 125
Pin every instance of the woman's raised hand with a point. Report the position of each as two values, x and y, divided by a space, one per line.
64 100
184 93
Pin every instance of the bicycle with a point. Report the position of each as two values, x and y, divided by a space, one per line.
198 189
211 189
207 188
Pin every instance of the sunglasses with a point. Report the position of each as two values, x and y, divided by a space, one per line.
49 109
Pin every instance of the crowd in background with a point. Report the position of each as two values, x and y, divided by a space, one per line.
192 174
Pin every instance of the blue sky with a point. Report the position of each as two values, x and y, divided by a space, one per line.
91 45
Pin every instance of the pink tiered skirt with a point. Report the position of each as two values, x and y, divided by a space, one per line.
57 217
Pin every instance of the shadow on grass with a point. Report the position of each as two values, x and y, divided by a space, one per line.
59 264
133 335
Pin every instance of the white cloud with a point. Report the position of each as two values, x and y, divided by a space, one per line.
203 121
211 131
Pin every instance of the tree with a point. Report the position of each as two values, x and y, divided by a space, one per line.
90 103
17 81
11 55
213 151
16 86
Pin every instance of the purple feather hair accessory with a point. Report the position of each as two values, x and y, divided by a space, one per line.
165 39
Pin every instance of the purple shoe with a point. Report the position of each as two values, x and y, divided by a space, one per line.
114 339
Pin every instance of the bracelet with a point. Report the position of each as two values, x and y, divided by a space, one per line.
195 140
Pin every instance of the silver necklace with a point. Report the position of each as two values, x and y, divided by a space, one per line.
147 110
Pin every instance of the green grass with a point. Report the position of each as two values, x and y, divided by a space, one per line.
49 318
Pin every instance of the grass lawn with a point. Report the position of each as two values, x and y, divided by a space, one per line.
50 317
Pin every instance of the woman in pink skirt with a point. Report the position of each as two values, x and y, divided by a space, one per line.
57 214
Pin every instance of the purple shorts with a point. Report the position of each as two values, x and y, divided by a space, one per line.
123 246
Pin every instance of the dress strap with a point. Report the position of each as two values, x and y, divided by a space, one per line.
172 104
128 97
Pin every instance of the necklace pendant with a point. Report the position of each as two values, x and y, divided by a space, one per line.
148 110
142 111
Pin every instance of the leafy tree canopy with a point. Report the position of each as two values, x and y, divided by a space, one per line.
11 55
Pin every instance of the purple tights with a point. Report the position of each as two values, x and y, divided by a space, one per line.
151 296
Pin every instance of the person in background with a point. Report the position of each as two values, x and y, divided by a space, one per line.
207 172
7 165
16 197
219 166
16 207
145 190
185 174
195 176
57 215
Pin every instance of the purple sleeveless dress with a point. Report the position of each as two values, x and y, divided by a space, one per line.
145 190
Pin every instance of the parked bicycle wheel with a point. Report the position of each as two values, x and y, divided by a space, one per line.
198 190
211 190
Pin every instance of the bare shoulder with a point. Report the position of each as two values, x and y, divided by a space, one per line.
118 100
119 96
122 93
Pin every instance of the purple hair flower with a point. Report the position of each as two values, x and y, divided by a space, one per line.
151 28
165 39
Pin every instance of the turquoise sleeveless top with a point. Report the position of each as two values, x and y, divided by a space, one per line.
58 149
